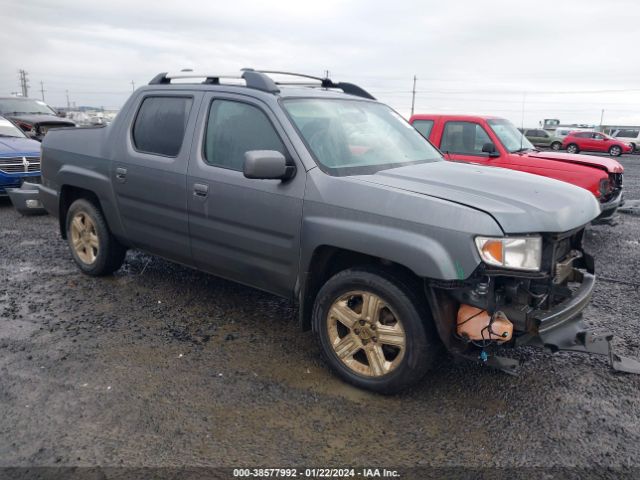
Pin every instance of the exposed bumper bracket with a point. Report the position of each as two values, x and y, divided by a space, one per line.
585 341
507 365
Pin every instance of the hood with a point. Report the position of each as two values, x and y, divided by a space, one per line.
519 202
608 164
41 118
12 146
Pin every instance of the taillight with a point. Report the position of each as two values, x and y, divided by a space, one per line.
25 126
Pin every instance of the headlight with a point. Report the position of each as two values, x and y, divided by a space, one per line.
604 187
519 253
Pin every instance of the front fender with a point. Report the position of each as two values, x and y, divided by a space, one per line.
425 256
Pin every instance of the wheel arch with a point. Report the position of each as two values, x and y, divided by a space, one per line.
68 195
328 260
77 182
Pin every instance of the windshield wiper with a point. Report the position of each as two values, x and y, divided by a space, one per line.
10 136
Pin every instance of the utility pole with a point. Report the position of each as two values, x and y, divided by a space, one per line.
68 104
413 95
133 86
601 118
42 90
24 82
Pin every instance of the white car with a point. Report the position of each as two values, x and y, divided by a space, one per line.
628 135
562 132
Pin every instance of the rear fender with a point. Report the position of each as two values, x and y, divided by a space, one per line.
97 183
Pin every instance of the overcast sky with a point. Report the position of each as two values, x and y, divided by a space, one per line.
565 59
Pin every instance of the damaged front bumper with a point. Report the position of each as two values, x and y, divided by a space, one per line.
609 208
555 326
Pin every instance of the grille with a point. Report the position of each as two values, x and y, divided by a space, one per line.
616 180
20 164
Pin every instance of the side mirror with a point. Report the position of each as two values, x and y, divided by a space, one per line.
61 113
490 148
267 165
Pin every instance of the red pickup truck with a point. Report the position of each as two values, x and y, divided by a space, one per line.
496 142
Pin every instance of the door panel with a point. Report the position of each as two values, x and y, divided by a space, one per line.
243 229
150 187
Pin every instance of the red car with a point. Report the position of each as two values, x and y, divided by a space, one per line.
595 142
495 141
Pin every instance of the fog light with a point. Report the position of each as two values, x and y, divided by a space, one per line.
33 204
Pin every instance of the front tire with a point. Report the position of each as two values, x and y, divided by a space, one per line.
375 331
94 249
556 146
573 148
615 151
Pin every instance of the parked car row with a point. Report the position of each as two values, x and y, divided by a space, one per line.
319 193
586 140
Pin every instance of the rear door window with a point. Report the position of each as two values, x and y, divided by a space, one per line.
160 125
424 127
464 138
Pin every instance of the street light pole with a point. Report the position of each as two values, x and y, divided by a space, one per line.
413 95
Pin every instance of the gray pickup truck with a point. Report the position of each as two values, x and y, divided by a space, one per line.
312 190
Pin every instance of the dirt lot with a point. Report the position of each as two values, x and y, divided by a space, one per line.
160 365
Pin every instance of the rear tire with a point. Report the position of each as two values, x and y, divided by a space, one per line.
375 330
573 148
615 151
94 249
556 146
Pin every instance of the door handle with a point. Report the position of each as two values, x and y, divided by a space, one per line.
200 189
121 174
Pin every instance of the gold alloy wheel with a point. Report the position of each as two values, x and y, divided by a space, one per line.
366 335
84 238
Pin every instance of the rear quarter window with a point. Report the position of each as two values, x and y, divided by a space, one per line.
160 124
424 127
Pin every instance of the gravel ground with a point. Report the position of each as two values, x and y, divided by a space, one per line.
160 365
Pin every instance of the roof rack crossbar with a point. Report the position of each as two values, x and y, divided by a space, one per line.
349 88
252 78
260 80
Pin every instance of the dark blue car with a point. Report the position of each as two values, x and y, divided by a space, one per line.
19 157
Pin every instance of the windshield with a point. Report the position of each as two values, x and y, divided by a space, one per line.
10 106
512 139
8 129
352 137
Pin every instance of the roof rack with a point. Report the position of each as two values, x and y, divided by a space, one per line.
326 82
252 79
261 80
